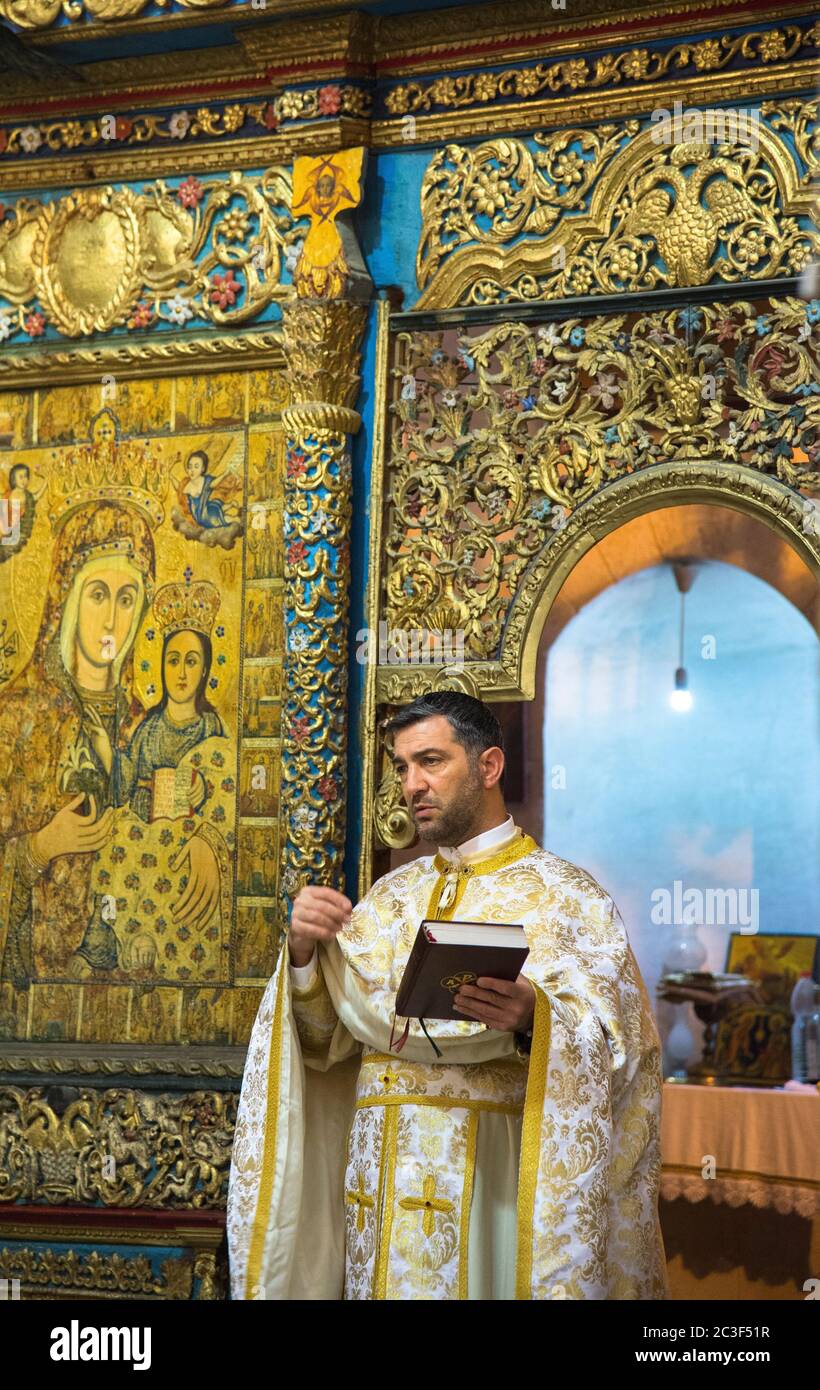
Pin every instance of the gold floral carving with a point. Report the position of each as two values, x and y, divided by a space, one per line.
757 494
501 436
117 161
611 210
208 123
116 1148
212 252
39 14
582 74
59 1273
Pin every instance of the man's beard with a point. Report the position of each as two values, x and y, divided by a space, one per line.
456 822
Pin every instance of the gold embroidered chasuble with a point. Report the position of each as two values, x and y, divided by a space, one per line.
358 1174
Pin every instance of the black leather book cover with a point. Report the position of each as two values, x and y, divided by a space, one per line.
435 971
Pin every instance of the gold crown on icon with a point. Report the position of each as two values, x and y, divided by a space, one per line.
183 606
107 469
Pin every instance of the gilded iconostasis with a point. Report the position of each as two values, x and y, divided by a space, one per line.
140 686
221 458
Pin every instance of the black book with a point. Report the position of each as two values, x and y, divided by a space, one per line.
446 955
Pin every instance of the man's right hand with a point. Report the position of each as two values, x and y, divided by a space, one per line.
318 915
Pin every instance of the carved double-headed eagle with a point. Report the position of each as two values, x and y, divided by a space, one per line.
688 226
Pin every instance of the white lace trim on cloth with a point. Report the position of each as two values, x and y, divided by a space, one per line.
754 1189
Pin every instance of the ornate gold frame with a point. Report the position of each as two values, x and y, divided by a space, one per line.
130 357
512 677
182 1065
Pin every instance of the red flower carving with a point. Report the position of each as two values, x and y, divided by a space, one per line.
225 289
296 552
269 117
726 330
123 127
300 729
190 193
769 361
330 99
296 463
141 316
35 324
328 790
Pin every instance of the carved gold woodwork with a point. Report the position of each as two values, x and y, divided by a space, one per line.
96 1274
321 345
322 336
578 73
612 210
86 259
86 1272
116 1148
39 14
509 450
212 252
85 1060
159 355
499 435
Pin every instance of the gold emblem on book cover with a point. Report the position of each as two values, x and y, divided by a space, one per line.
454 982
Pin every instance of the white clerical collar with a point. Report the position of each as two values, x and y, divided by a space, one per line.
479 844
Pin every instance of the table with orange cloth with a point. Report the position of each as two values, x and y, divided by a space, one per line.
740 1190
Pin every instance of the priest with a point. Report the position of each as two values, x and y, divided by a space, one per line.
519 1157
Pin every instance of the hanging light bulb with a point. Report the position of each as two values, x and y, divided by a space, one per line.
681 697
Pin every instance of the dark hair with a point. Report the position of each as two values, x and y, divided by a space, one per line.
15 468
200 454
201 704
472 722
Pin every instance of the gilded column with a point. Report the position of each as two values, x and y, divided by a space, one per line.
323 329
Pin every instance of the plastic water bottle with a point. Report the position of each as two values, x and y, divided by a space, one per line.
805 1030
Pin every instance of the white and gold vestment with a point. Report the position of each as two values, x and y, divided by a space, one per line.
359 1174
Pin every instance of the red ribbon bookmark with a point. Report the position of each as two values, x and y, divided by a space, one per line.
403 1039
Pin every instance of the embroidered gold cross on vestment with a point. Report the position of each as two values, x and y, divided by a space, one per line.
428 1203
360 1199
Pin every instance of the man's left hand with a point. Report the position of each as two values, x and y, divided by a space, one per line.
499 1004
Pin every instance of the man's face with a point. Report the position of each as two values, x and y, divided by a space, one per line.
441 783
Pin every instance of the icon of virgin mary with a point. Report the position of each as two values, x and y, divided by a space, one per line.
60 718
